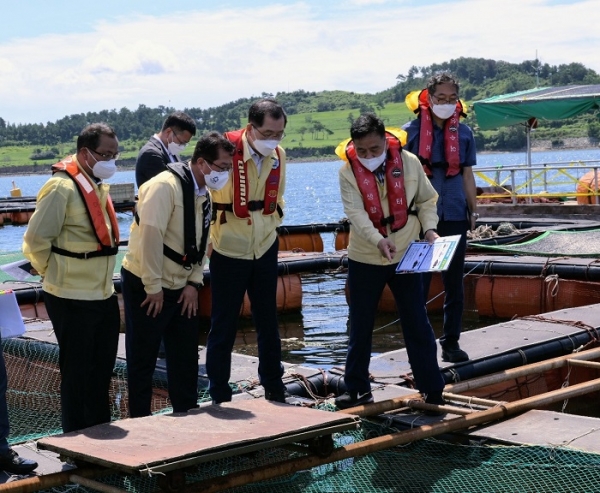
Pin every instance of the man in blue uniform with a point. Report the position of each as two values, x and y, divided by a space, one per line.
446 149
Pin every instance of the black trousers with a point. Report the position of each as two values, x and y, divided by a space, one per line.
88 335
230 279
143 335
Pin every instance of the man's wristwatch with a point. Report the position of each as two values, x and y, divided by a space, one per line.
475 215
196 285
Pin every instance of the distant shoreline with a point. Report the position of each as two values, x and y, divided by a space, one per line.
540 146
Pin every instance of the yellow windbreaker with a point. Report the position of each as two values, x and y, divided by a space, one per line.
364 236
244 238
61 219
160 209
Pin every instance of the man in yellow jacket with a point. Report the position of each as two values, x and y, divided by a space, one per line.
388 201
163 271
72 241
244 237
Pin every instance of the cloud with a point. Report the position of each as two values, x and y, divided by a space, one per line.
209 57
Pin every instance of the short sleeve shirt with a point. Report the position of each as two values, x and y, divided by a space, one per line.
452 201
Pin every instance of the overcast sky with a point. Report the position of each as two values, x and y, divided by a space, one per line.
63 57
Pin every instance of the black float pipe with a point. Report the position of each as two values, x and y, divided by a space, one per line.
326 383
590 272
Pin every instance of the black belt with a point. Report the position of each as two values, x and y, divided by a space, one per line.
104 252
253 205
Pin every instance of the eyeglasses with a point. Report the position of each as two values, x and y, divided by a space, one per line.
270 135
219 168
444 100
179 140
106 156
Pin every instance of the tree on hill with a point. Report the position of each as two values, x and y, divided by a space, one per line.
480 78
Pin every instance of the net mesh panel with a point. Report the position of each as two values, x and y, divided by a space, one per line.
429 465
425 466
554 244
33 393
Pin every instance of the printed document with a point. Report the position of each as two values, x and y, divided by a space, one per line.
422 256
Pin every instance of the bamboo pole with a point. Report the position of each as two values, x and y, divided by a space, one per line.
585 364
48 481
467 399
380 407
423 406
377 444
95 485
521 371
475 383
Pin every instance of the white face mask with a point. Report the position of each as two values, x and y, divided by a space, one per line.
443 111
265 147
373 163
103 170
175 148
216 180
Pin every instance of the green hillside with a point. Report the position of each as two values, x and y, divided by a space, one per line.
318 121
336 125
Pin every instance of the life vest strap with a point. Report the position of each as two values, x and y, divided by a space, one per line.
253 205
104 252
176 257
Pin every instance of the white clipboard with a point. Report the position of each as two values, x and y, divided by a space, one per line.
11 321
422 256
20 270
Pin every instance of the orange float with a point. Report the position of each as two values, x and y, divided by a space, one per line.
342 238
586 185
305 242
519 296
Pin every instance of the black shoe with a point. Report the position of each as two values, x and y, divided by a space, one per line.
11 462
351 399
278 396
452 353
434 398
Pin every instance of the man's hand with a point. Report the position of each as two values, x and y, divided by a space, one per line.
189 301
154 302
474 222
387 248
431 235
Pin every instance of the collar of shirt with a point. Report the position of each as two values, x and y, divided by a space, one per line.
380 173
258 159
172 157
199 191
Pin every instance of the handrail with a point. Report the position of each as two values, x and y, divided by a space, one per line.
540 183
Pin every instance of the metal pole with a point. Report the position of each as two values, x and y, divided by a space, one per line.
514 185
529 175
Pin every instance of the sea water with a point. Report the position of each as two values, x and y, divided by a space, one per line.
316 336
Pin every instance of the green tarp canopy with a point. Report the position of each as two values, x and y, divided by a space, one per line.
545 103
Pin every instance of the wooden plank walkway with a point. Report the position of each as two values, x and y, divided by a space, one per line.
391 372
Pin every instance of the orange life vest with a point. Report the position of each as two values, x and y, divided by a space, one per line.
394 178
242 206
95 213
451 140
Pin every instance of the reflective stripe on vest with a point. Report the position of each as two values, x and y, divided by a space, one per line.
394 179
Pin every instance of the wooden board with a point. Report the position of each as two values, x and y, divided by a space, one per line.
546 428
173 441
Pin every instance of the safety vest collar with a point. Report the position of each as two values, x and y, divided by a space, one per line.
108 241
451 138
394 180
242 205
